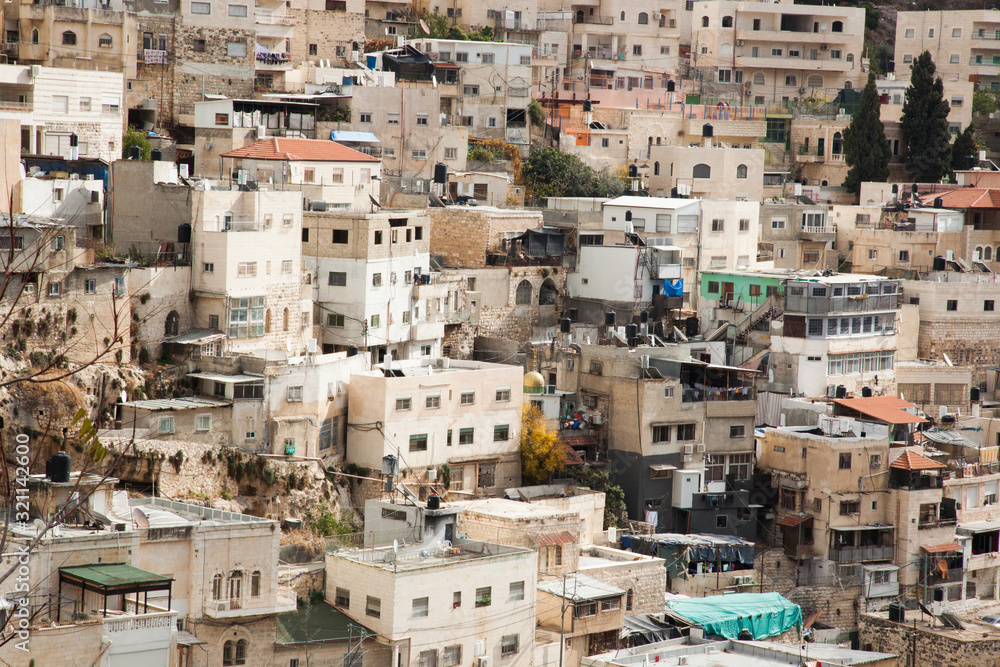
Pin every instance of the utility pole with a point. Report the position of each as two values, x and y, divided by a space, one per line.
562 623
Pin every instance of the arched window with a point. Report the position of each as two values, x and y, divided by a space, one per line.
838 143
235 653
656 169
727 21
758 79
227 218
628 600
228 649
741 171
850 57
547 293
284 320
622 17
235 588
522 296
69 38
814 81
267 321
34 35
791 80
172 325
255 584
241 652
643 18
701 171
848 85
217 587
977 254
105 41
988 254
838 26
579 16
704 21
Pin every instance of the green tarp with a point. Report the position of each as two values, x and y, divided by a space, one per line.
763 614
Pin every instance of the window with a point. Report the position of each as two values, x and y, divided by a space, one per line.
433 400
483 597
286 267
337 278
584 609
741 171
450 153
952 304
376 321
420 607
373 607
293 394
105 41
488 58
845 461
198 45
503 394
470 90
89 286
451 656
466 436
238 10
421 119
166 425
69 38
403 402
246 269
217 587
468 397
427 658
60 104
701 171
313 49
201 7
461 57
643 18
236 49
725 76
516 591
525 60
848 507
988 305
744 224
738 431
203 423
787 499
342 598
418 442
376 280
418 154
718 225
637 49
501 433
904 255
392 118
661 433
685 432
508 645
721 521
778 223
872 253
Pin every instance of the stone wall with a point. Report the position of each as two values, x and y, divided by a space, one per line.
978 646
328 30
212 70
155 81
646 579
967 341
463 236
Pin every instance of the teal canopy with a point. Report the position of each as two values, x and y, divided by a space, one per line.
763 614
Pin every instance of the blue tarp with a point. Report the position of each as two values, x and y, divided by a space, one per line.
763 614
350 135
673 287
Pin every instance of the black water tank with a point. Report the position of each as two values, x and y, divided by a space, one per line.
974 394
897 612
440 173
564 325
134 153
841 391
866 392
74 141
61 463
948 419
609 318
938 202
671 86
631 332
588 105
628 214
434 502
939 263
184 233
691 326
914 189
156 155
971 161
895 188
745 636
939 595
892 66
707 130
633 171
644 316
352 350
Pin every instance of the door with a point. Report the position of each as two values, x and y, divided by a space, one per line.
727 292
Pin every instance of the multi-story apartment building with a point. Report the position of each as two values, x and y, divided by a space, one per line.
255 299
765 52
836 330
715 172
365 272
965 44
436 412
495 84
800 236
52 104
439 603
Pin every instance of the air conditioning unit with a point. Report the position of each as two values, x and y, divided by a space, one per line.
823 47
689 449
221 605
657 16
739 42
802 90
483 662
700 448
745 580
688 458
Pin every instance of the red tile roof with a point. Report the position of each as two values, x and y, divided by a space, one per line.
551 539
571 457
888 409
965 198
302 150
910 460
580 440
794 521
942 548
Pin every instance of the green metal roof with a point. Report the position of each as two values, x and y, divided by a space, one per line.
317 623
114 575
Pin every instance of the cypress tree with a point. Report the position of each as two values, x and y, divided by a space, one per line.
964 147
866 150
925 124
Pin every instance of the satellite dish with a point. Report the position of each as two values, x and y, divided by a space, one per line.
423 26
39 526
395 546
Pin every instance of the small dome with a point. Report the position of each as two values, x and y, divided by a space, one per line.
534 383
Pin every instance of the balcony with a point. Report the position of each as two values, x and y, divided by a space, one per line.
507 23
824 233
853 554
272 19
153 56
860 303
273 61
784 63
862 543
221 609
6 105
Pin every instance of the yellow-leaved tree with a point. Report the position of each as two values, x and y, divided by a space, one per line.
541 447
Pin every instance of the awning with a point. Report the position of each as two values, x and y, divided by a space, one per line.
552 539
666 248
857 528
794 521
216 377
349 135
942 548
979 526
196 337
185 638
662 467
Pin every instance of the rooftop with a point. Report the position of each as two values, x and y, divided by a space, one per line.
651 202
306 150
424 367
512 509
317 623
183 403
579 587
887 409
418 556
910 460
966 198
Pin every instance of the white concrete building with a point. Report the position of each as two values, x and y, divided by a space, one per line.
53 103
433 412
441 603
836 330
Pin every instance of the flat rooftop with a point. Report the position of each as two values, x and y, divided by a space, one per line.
425 367
421 556
514 509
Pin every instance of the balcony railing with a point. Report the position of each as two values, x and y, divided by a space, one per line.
243 226
153 56
272 19
851 554
841 304
15 106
